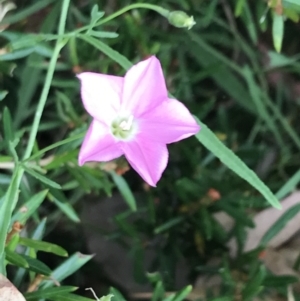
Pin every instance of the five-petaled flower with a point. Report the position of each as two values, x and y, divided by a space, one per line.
133 116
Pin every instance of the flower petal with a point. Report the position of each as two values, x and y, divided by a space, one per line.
98 145
144 87
169 122
101 95
147 158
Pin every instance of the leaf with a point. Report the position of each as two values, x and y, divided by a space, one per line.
124 190
7 205
181 295
43 246
254 285
103 34
7 125
3 93
111 53
117 296
158 292
96 14
295 2
289 186
277 31
67 268
280 224
58 198
276 281
37 266
24 13
70 297
239 7
49 292
169 224
15 259
227 157
29 207
15 55
279 60
41 178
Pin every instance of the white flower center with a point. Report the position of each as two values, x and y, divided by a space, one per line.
124 127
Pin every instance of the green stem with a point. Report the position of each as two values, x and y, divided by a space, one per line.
40 108
162 11
11 196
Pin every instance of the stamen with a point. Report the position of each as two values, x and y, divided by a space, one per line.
125 125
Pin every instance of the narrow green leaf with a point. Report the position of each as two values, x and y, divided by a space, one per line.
70 297
103 34
296 2
289 186
213 144
206 221
106 298
3 93
239 7
24 13
43 246
278 60
258 100
117 296
55 145
280 224
7 206
41 178
169 224
67 268
15 259
7 125
277 31
124 190
181 295
18 54
29 207
49 292
58 198
158 292
276 281
111 53
254 286
37 266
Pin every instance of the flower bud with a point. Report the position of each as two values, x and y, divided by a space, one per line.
180 19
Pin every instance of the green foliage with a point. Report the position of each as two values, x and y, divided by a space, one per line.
222 68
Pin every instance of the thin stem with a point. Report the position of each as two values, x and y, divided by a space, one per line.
40 108
158 9
11 196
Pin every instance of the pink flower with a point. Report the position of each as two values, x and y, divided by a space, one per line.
133 116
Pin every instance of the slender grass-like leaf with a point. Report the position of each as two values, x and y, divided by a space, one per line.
37 266
49 292
114 55
41 178
277 31
289 186
280 224
67 268
36 6
6 209
15 259
226 156
39 245
124 190
27 209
